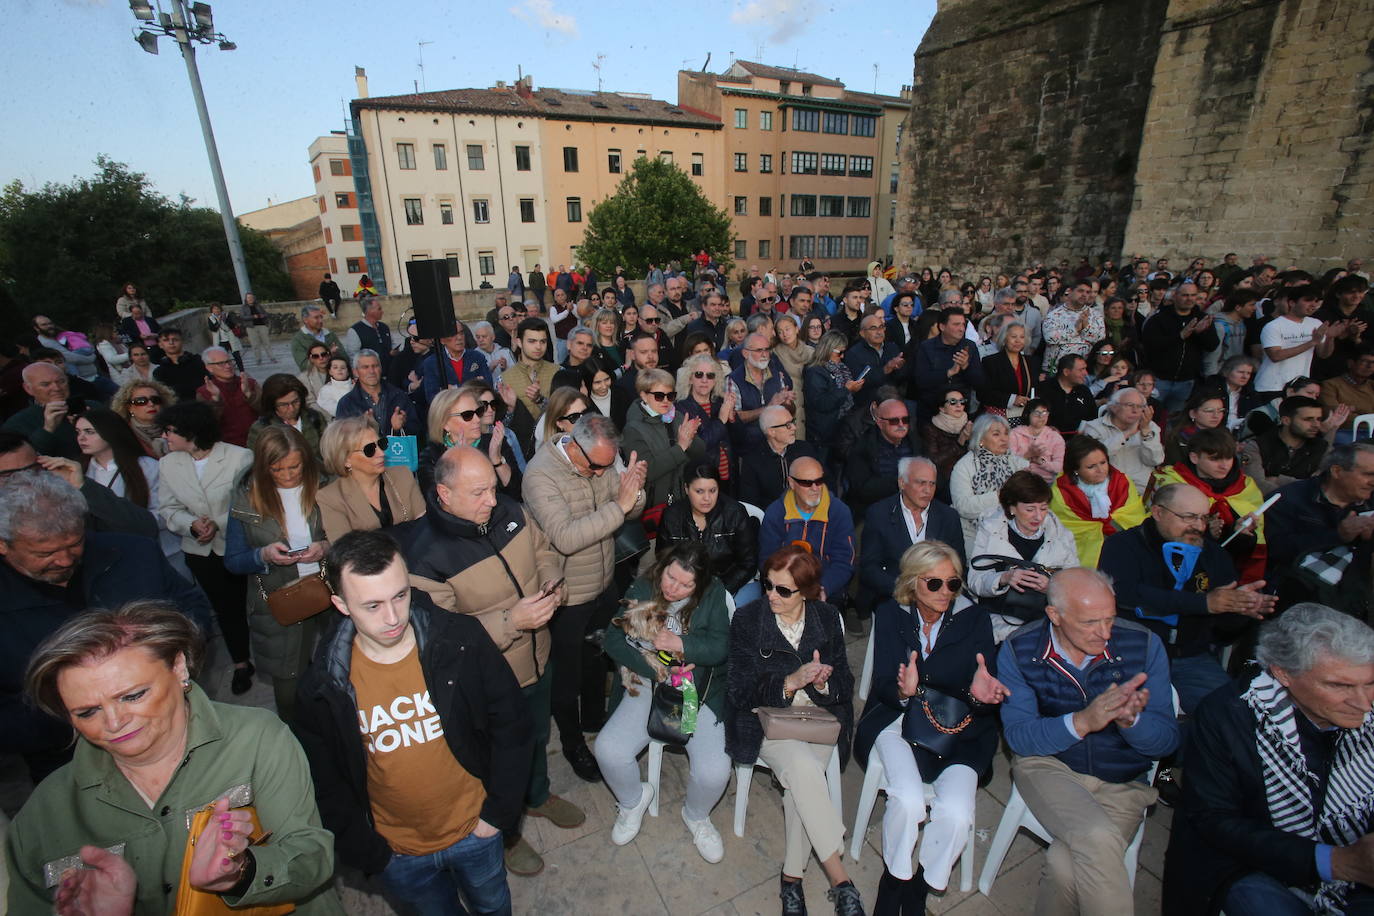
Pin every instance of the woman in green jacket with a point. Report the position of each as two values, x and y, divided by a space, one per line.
659 435
696 632
153 750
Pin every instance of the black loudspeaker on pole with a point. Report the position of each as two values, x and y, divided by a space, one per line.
431 297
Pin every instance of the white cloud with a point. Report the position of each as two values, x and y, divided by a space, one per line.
542 14
785 19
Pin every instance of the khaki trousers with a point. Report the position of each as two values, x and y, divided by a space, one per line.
809 818
262 346
1092 823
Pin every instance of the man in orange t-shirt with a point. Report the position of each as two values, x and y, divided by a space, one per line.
418 737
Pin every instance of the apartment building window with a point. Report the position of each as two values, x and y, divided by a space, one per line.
343 199
741 118
832 164
765 120
476 157
446 213
860 206
419 255
337 167
570 159
666 156
804 163
328 236
784 87
440 157
861 166
765 248
765 163
414 215
809 121
803 204
574 209
522 158
486 263
613 161
856 246
829 246
741 206
864 126
451 259
892 184
741 162
833 123
741 249
350 233
806 88
527 209
765 206
333 266
481 211
801 246
831 206
405 155
698 164
355 265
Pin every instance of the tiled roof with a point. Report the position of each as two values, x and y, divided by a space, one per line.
484 101
871 98
787 74
547 103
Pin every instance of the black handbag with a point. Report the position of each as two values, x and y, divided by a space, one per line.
1024 606
933 720
665 715
631 541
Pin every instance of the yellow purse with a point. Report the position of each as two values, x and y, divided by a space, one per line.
192 901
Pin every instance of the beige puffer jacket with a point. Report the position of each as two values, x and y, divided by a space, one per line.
580 517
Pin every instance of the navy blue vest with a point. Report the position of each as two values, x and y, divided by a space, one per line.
378 339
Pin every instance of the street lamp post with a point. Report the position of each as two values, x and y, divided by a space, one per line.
188 25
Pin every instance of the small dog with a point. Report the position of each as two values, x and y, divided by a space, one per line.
642 621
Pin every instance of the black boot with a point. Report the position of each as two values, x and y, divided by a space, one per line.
891 893
914 894
793 900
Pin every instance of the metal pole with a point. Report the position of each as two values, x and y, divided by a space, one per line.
181 19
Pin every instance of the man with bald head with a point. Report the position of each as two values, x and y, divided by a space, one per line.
478 552
1089 711
808 512
1174 341
763 478
47 422
871 466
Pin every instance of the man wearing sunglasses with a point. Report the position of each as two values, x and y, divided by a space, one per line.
808 513
871 465
1088 712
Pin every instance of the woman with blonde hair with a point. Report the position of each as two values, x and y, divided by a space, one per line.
276 536
365 493
139 403
564 408
706 401
606 334
455 418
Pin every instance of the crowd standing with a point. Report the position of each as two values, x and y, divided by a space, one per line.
1115 519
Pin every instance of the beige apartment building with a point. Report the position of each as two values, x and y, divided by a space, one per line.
337 203
808 163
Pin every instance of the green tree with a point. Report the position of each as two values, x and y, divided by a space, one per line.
66 250
657 214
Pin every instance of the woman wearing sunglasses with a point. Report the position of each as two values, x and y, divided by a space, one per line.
455 418
139 402
365 494
933 649
664 437
787 649
564 408
945 438
704 401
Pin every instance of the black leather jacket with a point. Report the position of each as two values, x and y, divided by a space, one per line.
731 539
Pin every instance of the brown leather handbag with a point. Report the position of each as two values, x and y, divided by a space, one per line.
192 901
801 723
298 600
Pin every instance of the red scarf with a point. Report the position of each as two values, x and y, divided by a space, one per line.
1118 490
1221 505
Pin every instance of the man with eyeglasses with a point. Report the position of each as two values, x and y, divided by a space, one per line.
1088 713
579 493
763 478
874 359
808 513
236 398
755 384
391 407
651 321
871 465
1128 431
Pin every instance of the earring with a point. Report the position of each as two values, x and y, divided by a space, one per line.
348 467
186 686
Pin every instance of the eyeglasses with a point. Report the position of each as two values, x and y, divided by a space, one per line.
467 415
220 362
710 375
372 448
903 420
1106 352
782 590
4 475
648 321
766 299
573 417
505 316
951 402
591 465
803 482
935 585
326 355
790 424
1190 517
659 396
143 400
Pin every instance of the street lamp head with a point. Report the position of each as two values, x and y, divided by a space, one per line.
147 41
142 10
204 18
226 45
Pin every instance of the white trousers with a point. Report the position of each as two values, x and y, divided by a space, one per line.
951 811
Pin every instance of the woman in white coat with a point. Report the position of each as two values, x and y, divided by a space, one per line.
979 475
1022 529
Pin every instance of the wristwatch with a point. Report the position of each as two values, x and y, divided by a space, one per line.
501 463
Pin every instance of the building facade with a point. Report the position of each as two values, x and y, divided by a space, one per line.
337 201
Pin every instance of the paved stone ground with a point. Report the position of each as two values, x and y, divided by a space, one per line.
660 872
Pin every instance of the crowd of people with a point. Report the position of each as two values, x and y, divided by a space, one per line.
1117 520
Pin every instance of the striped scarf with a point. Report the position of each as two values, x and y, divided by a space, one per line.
1349 805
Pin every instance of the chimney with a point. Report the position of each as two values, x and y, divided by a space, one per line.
500 84
360 77
524 87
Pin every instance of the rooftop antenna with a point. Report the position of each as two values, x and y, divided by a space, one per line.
597 67
707 64
421 45
796 59
875 79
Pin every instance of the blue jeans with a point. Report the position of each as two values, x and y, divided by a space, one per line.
748 592
473 866
1173 395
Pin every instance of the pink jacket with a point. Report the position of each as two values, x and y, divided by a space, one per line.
1050 444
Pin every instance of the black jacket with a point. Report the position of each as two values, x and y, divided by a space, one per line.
761 659
1170 356
885 539
1223 830
731 539
474 692
763 474
1068 409
1001 383
864 484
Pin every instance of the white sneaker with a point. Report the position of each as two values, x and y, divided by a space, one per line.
707 838
628 821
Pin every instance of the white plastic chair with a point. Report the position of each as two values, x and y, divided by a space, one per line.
1364 419
1017 815
875 781
866 677
656 747
756 513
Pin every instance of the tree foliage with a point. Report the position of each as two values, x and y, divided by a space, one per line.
66 250
656 215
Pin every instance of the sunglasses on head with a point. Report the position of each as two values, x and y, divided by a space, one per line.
467 415
710 375
803 482
782 590
659 396
143 400
372 448
935 585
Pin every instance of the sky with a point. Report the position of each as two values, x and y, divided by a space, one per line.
77 85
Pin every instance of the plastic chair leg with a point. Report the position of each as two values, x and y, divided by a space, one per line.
874 780
744 776
655 772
